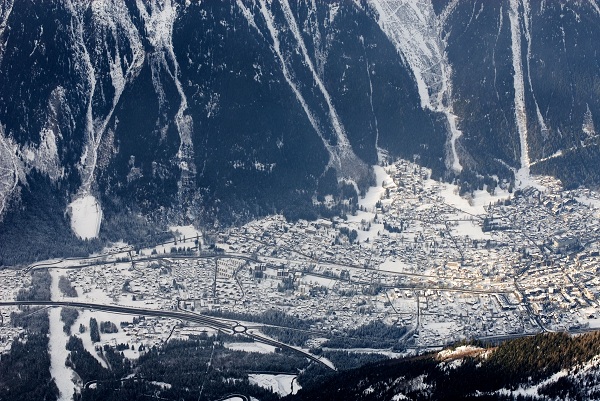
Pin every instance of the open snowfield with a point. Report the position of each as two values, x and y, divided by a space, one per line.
475 205
374 193
251 347
471 229
62 374
187 231
591 202
440 328
325 282
279 384
105 338
86 216
397 266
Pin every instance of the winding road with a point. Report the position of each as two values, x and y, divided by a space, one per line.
231 326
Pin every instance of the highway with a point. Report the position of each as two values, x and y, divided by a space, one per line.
227 325
464 286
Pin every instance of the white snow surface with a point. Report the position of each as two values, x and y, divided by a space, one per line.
63 375
473 206
397 266
375 192
522 176
119 337
251 347
591 202
86 216
188 231
279 384
471 229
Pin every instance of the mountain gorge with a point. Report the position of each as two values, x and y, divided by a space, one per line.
215 112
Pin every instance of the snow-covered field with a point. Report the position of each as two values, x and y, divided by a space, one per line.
279 384
105 338
470 228
474 205
440 328
325 282
375 193
594 203
62 374
187 231
86 216
251 347
397 266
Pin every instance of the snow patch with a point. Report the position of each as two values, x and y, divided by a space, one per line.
251 347
86 216
522 175
374 194
474 205
471 229
63 375
279 384
187 231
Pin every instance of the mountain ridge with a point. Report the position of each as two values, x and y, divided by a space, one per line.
254 107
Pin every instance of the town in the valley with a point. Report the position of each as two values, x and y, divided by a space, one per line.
414 255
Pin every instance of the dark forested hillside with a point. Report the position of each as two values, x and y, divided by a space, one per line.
216 112
495 373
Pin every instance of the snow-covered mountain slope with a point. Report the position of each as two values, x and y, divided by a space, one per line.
415 30
498 71
193 110
551 366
